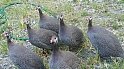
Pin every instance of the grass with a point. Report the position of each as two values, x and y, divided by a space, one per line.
78 18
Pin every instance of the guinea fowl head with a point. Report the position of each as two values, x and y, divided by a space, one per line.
7 34
54 40
26 21
90 22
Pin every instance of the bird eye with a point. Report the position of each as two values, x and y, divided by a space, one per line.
56 38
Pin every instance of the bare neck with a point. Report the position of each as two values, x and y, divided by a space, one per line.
55 49
28 26
40 13
9 42
90 24
62 23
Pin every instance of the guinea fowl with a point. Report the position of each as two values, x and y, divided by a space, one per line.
62 59
104 41
71 36
40 37
22 57
48 22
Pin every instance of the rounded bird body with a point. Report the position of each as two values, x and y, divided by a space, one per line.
22 57
63 59
48 22
105 42
40 37
71 36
